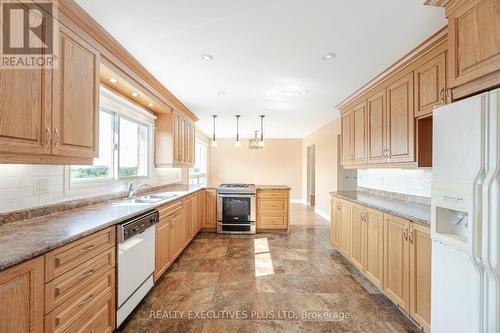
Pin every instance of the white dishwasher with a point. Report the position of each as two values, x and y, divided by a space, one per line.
136 261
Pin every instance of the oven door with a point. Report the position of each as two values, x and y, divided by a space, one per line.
236 208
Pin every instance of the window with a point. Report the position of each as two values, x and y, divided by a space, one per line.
198 174
124 143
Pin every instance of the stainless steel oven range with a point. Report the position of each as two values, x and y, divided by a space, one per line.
236 208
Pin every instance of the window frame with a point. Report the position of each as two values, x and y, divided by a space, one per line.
198 175
116 105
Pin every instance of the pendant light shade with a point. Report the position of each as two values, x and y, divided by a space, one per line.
261 142
214 142
237 143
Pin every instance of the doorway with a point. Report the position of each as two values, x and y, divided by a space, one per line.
311 175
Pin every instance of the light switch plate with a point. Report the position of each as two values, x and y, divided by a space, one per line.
40 186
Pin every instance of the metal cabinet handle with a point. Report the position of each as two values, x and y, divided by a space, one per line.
405 232
49 137
86 274
442 94
411 235
58 137
88 248
85 301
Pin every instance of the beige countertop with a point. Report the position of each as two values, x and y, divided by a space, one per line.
27 239
273 187
415 212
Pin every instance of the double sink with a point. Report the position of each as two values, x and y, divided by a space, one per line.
148 199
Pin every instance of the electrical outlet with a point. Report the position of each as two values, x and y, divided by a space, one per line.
40 186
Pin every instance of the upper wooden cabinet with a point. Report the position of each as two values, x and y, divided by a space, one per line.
473 44
175 140
400 121
76 95
52 116
379 123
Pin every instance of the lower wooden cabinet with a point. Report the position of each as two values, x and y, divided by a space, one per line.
201 209
393 253
210 209
162 256
176 235
272 209
101 318
21 298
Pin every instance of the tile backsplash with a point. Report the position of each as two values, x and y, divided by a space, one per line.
26 186
406 181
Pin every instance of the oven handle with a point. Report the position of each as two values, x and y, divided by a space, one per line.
239 195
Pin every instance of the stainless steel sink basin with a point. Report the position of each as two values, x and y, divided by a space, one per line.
140 201
158 197
147 199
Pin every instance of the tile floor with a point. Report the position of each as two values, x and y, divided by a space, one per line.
294 282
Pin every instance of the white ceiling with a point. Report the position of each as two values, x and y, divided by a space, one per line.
266 52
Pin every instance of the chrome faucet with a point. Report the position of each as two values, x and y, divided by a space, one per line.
132 190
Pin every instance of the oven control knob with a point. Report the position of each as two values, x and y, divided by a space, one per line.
152 219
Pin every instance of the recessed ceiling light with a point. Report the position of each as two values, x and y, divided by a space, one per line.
222 92
113 80
151 105
329 56
207 57
135 94
304 92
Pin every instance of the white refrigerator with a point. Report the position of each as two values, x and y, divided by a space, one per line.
465 226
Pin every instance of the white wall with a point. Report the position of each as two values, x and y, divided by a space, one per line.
16 185
407 181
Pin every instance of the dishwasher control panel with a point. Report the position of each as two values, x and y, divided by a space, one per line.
137 225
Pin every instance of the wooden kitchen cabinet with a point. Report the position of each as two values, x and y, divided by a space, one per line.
176 234
397 260
400 121
430 85
201 209
76 98
272 209
374 247
377 128
358 236
359 117
175 140
210 209
347 137
194 215
345 229
21 297
420 275
336 225
162 252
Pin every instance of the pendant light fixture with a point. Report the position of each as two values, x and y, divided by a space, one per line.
214 142
261 142
253 143
237 143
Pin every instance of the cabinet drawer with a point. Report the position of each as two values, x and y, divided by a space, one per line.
272 206
76 253
272 221
79 304
99 319
63 287
170 208
272 194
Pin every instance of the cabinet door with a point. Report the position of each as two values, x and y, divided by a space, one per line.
377 128
21 297
211 209
336 225
186 219
177 141
358 237
194 215
201 209
359 117
347 130
420 275
345 238
176 235
162 257
374 268
396 260
430 85
76 98
400 121
474 42
25 111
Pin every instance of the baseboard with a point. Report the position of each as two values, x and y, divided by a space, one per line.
324 215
